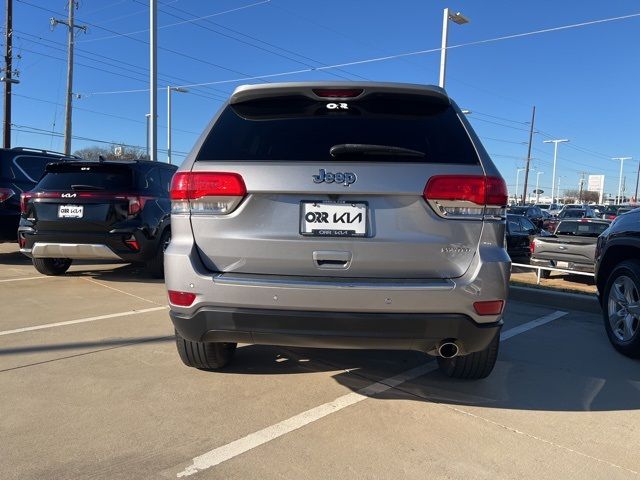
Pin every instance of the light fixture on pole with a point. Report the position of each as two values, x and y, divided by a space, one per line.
458 18
518 182
622 159
555 158
537 186
169 90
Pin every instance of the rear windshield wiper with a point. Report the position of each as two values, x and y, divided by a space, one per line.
86 187
366 149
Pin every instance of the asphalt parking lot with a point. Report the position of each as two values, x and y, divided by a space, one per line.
92 387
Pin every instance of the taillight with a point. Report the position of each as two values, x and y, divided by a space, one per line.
24 201
338 92
490 307
532 247
216 193
181 299
466 196
6 194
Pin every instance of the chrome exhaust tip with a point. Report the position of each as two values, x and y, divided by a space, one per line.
448 349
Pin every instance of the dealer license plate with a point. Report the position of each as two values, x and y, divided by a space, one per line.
70 211
332 219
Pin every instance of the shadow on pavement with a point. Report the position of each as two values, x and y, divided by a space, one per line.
558 382
119 273
116 342
14 258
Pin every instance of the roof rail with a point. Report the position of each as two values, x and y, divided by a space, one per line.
47 152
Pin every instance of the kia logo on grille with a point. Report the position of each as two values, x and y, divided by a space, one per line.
345 178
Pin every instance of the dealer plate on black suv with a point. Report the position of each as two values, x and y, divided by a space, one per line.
333 219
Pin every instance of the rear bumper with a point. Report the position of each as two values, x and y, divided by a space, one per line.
577 266
416 331
87 245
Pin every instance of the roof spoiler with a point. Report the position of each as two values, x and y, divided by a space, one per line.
246 93
38 150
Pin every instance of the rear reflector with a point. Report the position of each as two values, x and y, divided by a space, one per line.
532 247
181 299
132 243
206 192
490 307
338 92
6 194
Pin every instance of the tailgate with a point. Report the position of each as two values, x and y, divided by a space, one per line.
335 187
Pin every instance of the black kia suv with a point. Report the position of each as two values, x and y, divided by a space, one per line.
618 281
106 210
20 169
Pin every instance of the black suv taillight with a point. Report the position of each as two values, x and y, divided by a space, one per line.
6 194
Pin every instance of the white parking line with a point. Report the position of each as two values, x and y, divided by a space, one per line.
19 279
226 452
82 320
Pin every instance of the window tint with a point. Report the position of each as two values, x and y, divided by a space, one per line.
300 129
526 224
165 177
582 229
30 167
572 213
113 178
150 181
514 225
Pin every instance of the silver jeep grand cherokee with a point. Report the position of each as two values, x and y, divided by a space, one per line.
341 215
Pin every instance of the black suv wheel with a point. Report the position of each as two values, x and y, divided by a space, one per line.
52 266
621 308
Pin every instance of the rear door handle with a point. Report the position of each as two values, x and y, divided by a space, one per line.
328 259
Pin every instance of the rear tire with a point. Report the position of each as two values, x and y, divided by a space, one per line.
204 355
155 266
473 366
545 274
52 266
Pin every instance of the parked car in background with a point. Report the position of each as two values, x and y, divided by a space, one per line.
532 212
554 209
617 269
352 215
566 214
520 233
108 210
625 209
610 212
20 170
571 247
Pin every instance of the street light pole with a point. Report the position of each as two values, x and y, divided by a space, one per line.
622 159
555 158
537 185
148 116
458 18
169 90
153 79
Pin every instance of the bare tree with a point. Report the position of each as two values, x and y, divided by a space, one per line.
109 153
572 196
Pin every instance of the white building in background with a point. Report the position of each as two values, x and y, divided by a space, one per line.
596 184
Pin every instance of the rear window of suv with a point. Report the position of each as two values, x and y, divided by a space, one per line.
581 229
64 177
302 129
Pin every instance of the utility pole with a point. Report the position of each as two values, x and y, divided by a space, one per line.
581 185
526 171
153 79
71 26
8 74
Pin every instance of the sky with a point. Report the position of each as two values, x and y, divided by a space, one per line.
583 81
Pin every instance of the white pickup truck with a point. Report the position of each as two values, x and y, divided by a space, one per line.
571 247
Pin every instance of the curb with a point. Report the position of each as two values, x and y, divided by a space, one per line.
563 300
